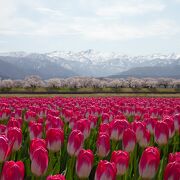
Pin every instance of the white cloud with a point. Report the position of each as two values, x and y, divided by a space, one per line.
55 22
115 32
130 8
51 12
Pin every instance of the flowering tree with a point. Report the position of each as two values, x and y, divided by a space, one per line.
33 82
6 84
54 83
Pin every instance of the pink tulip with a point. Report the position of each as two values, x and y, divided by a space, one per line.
145 139
172 171
13 170
56 177
105 118
75 142
54 122
177 123
117 128
139 129
35 130
104 128
30 116
84 126
105 171
129 140
2 129
39 162
14 123
35 144
54 139
150 123
18 113
149 163
14 134
121 160
161 133
174 157
5 114
3 148
170 122
103 145
84 163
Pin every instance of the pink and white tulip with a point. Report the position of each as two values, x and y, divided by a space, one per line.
84 163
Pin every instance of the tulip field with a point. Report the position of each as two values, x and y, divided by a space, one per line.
95 138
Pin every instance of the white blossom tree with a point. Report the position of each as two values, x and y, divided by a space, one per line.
33 82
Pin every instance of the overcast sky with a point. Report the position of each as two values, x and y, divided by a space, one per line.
127 26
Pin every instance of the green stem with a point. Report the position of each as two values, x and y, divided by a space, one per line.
113 145
135 164
163 162
70 168
1 166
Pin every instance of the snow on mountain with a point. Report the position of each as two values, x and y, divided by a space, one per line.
93 63
14 54
98 57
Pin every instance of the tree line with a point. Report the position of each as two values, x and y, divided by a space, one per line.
34 82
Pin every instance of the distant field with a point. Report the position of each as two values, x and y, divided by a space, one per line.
94 95
92 90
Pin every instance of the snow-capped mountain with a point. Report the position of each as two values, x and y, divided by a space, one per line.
84 63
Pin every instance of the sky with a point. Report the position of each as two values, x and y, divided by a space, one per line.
132 27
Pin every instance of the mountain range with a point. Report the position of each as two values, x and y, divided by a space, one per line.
17 65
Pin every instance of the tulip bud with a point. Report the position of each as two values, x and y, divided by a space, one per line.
54 122
2 129
174 157
75 142
84 126
117 128
145 139
177 123
13 170
105 171
14 134
30 116
121 160
54 139
39 162
150 123
149 163
5 114
172 171
3 148
35 144
56 177
104 128
161 133
105 118
35 130
129 140
13 123
139 129
103 145
170 122
84 163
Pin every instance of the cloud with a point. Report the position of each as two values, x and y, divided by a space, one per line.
49 11
3 42
97 24
133 8
116 32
